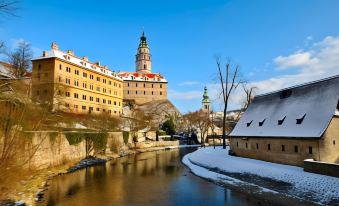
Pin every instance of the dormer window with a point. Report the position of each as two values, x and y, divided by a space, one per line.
281 121
249 123
285 94
261 123
300 119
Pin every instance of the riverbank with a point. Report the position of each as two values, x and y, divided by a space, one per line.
33 185
275 183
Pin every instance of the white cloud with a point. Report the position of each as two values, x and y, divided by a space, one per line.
298 59
188 83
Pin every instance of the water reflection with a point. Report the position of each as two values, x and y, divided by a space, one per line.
155 178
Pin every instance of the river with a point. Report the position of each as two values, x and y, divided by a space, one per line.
152 178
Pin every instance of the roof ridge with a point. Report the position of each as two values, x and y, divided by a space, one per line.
299 85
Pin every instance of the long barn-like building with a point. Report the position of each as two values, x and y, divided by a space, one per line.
291 125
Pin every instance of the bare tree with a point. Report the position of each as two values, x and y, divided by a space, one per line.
229 80
249 91
21 59
8 7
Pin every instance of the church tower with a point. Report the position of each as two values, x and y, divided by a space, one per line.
206 103
143 62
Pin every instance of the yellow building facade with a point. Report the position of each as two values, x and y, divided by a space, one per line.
72 84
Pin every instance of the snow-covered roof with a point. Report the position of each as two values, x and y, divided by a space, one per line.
82 62
6 70
312 105
136 76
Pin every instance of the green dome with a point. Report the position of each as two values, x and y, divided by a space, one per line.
205 99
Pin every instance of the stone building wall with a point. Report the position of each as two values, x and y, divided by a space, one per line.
282 150
142 92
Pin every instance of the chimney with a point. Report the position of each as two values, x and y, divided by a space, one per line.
97 63
106 67
70 52
55 46
85 58
45 54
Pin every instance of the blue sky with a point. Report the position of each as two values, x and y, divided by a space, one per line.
277 43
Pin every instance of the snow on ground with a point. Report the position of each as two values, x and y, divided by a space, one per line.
309 186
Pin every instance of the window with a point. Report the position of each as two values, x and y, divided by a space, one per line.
249 123
98 109
104 80
300 119
281 121
310 150
127 91
333 142
60 80
115 103
257 146
246 145
152 92
67 105
136 92
119 103
76 96
160 93
60 67
68 81
152 85
97 99
261 123
98 89
76 72
84 97
285 94
84 85
128 84
145 67
91 87
84 75
110 82
104 101
45 91
37 92
296 148
68 69
83 107
91 76
136 84
283 148
76 107
109 101
68 94
237 144
98 79
144 92
160 85
144 85
91 99
268 146
76 83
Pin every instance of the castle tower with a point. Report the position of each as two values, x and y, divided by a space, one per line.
143 62
206 103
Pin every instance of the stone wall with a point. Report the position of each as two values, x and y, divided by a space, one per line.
323 168
53 148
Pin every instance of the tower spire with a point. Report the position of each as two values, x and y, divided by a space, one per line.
206 103
143 62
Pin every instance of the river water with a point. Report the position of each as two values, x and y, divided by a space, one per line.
152 178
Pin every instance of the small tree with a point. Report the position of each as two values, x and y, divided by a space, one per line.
169 127
21 59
